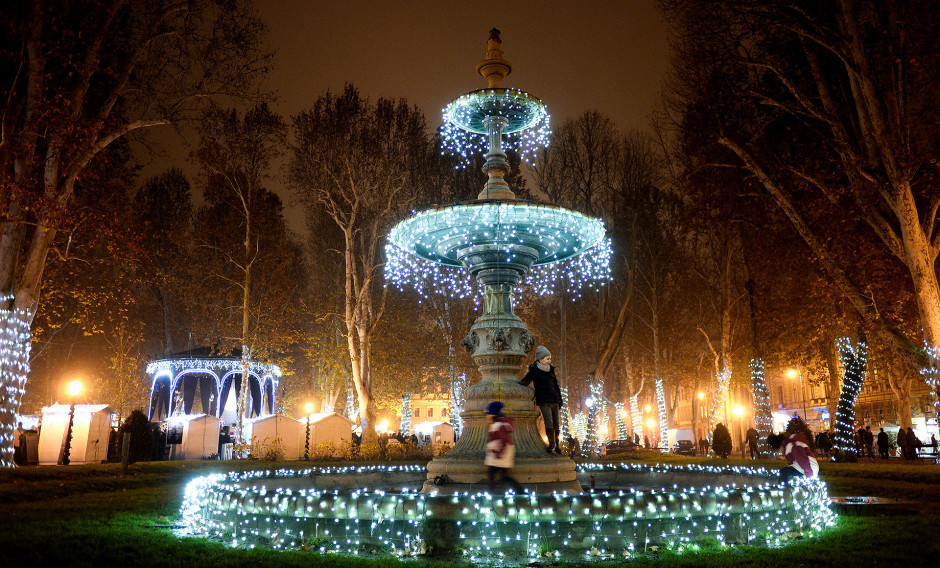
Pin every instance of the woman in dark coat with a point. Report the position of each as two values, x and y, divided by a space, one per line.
883 444
547 394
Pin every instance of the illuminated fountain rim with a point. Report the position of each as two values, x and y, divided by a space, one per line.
283 510
521 110
439 234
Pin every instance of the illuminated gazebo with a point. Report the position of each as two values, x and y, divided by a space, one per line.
179 378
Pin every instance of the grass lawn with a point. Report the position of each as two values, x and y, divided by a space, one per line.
92 516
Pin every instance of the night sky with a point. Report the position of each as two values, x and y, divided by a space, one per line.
576 56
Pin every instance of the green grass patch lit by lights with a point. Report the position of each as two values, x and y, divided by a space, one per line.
91 516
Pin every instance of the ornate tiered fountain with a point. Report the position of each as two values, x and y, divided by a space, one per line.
624 509
497 239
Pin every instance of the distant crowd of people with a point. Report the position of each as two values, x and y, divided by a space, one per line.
906 443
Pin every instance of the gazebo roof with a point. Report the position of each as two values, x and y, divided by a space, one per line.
204 358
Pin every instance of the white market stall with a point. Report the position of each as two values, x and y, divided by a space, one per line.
91 427
328 427
265 430
431 432
200 436
443 434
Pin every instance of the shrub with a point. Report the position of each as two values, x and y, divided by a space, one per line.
268 449
721 441
370 452
440 448
323 451
137 425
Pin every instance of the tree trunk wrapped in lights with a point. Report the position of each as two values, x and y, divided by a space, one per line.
14 365
405 426
621 422
854 363
593 421
457 386
564 417
763 420
663 424
721 395
636 419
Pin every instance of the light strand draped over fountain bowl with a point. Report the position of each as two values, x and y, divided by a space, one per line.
424 252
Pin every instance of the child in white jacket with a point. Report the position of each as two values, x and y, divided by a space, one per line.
500 449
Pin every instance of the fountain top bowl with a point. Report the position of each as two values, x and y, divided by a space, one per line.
443 234
520 109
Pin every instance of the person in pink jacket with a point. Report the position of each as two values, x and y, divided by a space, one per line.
500 449
798 454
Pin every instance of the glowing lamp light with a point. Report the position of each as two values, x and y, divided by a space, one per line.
648 408
792 373
651 423
738 410
701 395
589 402
383 426
75 387
308 407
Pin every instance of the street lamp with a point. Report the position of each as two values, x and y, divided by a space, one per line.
75 387
794 373
309 408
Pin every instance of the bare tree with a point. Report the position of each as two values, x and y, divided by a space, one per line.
77 77
236 154
832 100
361 163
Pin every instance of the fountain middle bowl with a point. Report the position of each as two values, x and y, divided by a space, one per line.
439 234
626 509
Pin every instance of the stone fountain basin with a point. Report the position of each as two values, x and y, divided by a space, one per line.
379 510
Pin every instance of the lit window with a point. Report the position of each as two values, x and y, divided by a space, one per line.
417 413
430 412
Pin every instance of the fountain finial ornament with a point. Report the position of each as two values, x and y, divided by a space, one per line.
494 68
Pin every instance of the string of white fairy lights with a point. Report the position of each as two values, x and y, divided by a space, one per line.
636 419
721 396
270 508
463 135
763 418
422 251
14 366
621 421
661 405
854 363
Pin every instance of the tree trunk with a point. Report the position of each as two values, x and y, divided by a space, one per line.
900 383
695 406
921 263
14 366
835 380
